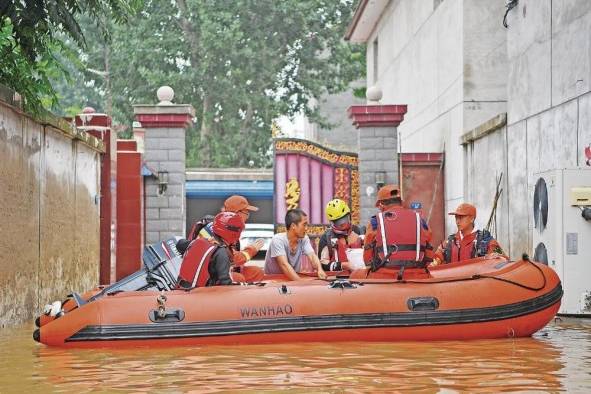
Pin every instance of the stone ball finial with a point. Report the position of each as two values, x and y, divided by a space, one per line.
87 115
373 93
165 95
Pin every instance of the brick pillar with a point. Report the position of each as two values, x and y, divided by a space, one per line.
165 125
130 208
378 150
99 126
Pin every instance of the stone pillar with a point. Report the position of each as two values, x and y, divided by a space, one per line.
165 125
138 136
378 150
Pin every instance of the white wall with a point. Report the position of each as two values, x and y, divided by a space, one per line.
549 99
549 111
449 65
455 67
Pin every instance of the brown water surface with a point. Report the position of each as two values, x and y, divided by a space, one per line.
558 358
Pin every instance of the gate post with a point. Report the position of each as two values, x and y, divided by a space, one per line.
378 150
99 126
165 125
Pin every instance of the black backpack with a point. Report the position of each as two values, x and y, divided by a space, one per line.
483 238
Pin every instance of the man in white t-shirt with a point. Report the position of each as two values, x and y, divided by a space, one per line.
285 252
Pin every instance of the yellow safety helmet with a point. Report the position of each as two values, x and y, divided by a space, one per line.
336 209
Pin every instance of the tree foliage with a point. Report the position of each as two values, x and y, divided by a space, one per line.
19 73
29 40
240 63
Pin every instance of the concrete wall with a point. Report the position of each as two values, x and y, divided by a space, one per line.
419 64
456 67
549 49
49 237
552 139
446 61
486 158
548 109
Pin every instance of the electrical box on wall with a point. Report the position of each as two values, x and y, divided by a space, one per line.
580 196
562 236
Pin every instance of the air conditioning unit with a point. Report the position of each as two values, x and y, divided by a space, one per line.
562 235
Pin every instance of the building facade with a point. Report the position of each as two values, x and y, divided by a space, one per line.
512 101
446 60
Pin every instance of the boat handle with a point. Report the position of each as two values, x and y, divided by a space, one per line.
283 290
341 284
422 304
169 315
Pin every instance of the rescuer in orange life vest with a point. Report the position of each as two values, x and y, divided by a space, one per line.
240 272
467 243
207 262
341 235
396 239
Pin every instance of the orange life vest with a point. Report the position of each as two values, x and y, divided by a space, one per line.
400 240
460 248
194 271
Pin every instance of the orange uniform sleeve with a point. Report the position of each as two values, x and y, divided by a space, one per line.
368 244
240 257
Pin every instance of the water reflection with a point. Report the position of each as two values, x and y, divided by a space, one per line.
556 359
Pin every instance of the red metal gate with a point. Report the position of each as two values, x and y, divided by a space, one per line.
422 183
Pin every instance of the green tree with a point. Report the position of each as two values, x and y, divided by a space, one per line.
240 63
30 37
19 73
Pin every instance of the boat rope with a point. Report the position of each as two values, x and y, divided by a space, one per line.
473 277
161 300
259 284
525 257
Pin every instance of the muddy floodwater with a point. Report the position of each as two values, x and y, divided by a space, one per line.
558 358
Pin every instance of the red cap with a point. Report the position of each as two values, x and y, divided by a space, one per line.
387 192
237 204
464 210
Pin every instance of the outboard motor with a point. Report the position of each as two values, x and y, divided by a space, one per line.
161 264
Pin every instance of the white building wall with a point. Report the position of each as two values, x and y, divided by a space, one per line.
485 63
549 107
456 67
447 61
548 110
529 55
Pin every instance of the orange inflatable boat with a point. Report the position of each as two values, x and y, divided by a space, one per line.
488 297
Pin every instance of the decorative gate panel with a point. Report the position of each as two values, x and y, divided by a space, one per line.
308 176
